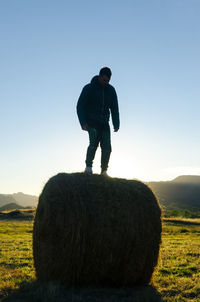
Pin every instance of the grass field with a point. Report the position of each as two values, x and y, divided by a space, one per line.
177 277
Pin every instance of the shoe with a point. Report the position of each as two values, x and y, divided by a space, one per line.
104 173
88 170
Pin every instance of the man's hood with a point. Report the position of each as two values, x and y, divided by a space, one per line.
95 80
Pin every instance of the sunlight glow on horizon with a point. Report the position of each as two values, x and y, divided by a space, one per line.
119 171
167 174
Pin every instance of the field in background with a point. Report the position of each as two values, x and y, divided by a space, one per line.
177 277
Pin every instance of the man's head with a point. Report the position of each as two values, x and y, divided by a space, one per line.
104 76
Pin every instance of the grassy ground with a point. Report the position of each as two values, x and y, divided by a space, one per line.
16 262
177 277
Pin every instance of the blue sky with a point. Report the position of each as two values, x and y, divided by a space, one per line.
51 49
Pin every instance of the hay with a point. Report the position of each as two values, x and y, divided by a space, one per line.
95 231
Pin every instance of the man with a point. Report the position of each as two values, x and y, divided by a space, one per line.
96 101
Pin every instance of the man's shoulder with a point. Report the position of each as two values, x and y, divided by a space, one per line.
87 86
111 88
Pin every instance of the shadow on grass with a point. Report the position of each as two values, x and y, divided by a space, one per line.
177 222
37 292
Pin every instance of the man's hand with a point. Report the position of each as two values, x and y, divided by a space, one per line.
115 130
85 127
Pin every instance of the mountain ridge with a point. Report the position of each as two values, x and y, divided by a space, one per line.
21 199
10 206
182 193
192 179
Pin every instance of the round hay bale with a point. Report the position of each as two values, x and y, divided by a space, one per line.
90 230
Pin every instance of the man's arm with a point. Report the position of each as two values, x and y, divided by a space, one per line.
115 111
81 107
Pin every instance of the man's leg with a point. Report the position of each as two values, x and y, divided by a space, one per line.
105 148
94 139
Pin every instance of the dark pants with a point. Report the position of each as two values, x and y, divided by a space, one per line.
97 136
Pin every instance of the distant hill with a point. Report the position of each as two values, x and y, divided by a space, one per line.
20 199
187 179
5 199
25 200
181 193
10 206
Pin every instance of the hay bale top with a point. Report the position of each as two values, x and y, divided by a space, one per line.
95 188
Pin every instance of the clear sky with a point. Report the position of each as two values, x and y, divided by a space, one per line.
50 49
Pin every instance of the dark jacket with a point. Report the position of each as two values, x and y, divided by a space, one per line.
95 103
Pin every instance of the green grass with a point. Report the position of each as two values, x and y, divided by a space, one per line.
177 277
16 262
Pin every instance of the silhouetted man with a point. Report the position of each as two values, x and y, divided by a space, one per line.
96 101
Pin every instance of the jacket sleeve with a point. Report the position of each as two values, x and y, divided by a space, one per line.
81 106
115 111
